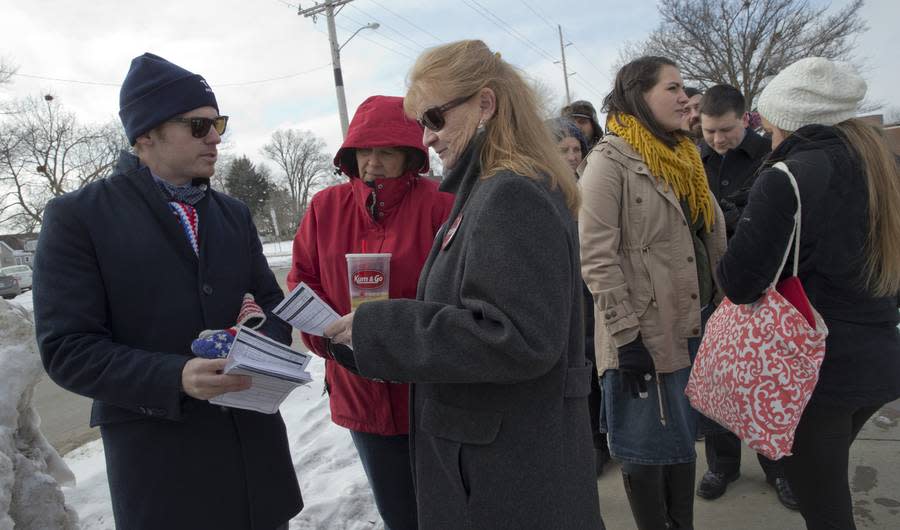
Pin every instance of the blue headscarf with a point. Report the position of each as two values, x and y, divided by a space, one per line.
564 128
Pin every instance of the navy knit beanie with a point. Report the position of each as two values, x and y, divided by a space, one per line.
155 90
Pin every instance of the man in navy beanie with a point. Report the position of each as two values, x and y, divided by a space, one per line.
128 271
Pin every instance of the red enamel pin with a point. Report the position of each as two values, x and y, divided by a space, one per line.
448 236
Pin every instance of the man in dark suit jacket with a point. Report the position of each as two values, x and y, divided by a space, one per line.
732 154
128 271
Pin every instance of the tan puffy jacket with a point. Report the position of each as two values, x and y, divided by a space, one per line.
637 257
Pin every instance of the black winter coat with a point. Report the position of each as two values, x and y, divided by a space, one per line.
862 356
118 296
731 176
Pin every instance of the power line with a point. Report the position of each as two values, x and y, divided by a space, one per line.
543 18
217 85
384 25
279 78
402 45
586 58
408 21
347 30
375 42
502 24
45 78
583 82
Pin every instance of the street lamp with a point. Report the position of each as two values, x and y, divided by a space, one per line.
328 8
370 25
338 76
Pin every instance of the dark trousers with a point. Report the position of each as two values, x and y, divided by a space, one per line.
817 470
660 497
386 462
723 455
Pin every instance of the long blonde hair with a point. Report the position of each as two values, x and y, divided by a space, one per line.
516 137
882 271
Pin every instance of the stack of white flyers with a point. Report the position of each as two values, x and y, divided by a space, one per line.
275 368
304 310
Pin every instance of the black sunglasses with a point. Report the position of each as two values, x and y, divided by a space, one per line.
433 118
200 126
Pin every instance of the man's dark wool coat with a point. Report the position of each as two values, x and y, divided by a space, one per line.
119 294
731 176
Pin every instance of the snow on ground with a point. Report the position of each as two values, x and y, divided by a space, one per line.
335 492
278 253
24 300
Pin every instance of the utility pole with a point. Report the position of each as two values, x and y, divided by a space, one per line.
562 51
328 9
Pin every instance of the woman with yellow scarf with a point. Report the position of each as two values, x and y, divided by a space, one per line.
651 234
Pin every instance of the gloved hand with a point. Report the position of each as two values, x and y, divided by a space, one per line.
732 214
216 343
213 344
636 368
342 354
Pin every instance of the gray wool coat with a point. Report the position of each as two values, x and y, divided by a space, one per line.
500 431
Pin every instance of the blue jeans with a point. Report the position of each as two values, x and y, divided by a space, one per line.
635 428
386 462
636 431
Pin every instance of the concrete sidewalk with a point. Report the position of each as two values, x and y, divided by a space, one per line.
751 504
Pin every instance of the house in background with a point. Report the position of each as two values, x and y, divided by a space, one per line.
17 249
891 131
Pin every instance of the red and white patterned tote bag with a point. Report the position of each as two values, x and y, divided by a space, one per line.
758 363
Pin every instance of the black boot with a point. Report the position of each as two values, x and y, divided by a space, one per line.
646 490
680 495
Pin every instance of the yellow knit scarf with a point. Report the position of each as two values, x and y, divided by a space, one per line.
680 168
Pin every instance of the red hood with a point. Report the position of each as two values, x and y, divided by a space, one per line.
381 122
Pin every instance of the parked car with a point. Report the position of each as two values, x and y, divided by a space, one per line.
19 272
9 287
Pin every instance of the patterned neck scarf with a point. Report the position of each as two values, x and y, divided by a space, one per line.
680 168
188 194
181 200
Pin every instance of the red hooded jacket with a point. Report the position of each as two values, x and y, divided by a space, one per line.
410 211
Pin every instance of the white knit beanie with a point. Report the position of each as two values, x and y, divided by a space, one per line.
812 90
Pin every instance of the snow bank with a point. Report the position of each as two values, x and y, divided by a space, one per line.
30 469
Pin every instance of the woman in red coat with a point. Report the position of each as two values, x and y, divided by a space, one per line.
385 207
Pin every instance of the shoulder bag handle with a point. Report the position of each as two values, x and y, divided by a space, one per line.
795 232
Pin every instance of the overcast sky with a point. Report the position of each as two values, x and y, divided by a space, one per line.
239 46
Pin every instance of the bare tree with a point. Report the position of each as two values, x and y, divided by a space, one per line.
44 153
6 70
223 163
549 100
745 42
306 167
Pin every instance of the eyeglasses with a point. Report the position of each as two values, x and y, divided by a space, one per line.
433 118
200 126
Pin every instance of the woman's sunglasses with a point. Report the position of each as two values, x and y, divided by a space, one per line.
433 118
200 126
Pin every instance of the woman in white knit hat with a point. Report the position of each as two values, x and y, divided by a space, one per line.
849 264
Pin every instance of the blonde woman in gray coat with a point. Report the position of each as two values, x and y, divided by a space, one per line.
494 343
